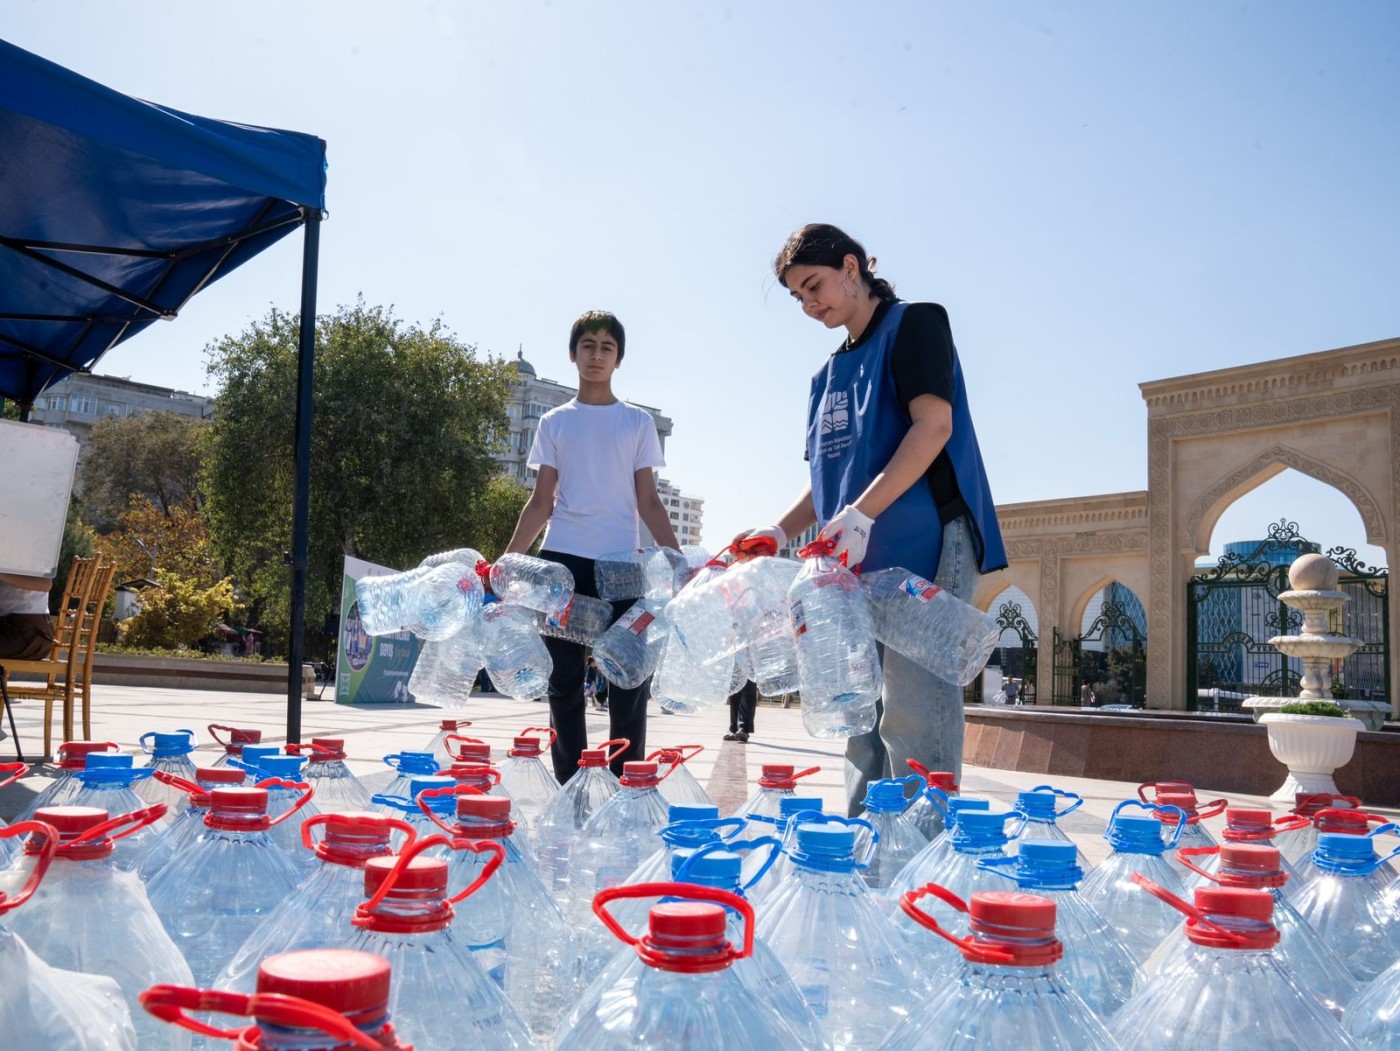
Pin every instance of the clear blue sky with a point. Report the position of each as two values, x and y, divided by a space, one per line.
1100 194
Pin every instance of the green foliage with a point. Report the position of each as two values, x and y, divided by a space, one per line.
76 543
10 410
405 422
1314 708
183 654
155 455
500 506
178 613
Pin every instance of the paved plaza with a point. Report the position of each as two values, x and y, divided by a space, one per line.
727 769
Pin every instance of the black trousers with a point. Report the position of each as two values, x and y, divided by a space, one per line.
627 709
743 702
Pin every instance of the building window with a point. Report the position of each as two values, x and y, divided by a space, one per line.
83 404
109 409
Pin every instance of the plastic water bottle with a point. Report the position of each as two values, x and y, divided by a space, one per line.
1343 823
629 651
838 666
1316 966
337 789
407 766
313 1000
233 746
438 788
440 747
1370 1018
932 627
1139 921
71 758
756 593
512 923
535 583
683 685
529 781
688 828
583 620
681 986
615 839
287 793
515 656
169 752
318 912
976 835
9 774
467 556
185 829
1246 826
1232 992
931 803
1041 810
1296 844
89 916
678 784
464 749
108 783
774 665
1011 991
700 616
897 838
940 846
776 782
42 1006
578 800
1181 795
844 955
763 878
1095 964
446 670
1346 905
407 920
621 575
212 896
433 602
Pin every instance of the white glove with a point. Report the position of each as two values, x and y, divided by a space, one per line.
745 540
850 532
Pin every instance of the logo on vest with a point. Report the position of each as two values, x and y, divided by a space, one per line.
836 412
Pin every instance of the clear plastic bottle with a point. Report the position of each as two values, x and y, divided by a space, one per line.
1342 822
407 766
1095 964
529 781
1247 825
1140 921
446 669
774 665
433 602
614 840
170 841
1041 810
409 806
89 916
629 651
535 583
407 920
1010 991
578 800
930 626
71 758
837 663
318 912
312 1000
756 593
897 838
700 618
583 620
467 556
975 835
931 804
1316 966
169 752
233 746
678 783
440 746
844 955
108 783
337 789
692 559
1371 1017
212 896
1181 795
1346 903
1232 992
939 846
763 878
511 922
688 827
516 660
43 1007
685 686
287 792
621 575
681 987
776 782
1296 843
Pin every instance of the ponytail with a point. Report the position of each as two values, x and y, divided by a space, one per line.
821 244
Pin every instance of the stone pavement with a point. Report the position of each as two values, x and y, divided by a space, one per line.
726 769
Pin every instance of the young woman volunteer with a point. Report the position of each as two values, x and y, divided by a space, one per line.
896 477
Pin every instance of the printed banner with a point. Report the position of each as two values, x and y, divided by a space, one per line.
370 669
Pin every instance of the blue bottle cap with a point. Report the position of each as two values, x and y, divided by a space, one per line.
692 812
789 805
720 869
254 754
166 745
977 829
826 841
107 768
886 796
284 766
1038 805
1047 863
1136 835
410 763
1344 849
961 804
108 761
445 804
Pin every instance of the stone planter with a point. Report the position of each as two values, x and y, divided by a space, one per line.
1312 747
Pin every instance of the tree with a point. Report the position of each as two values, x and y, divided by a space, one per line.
176 540
179 612
155 455
406 419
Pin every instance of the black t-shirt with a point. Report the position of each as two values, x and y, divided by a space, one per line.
923 364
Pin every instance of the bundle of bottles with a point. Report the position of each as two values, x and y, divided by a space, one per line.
699 627
271 901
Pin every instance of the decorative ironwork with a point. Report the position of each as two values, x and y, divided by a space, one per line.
1113 674
1016 661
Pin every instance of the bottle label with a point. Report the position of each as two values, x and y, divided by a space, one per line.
636 620
799 620
920 588
560 619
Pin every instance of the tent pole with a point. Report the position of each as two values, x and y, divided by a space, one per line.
301 499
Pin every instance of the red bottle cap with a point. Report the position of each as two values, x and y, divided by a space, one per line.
1235 901
473 752
237 809
1011 914
475 774
593 757
71 822
1250 859
639 775
241 736
1341 822
351 983
526 747
220 775
686 925
333 748
1184 800
776 772
489 808
453 725
72 755
1248 817
421 878
943 779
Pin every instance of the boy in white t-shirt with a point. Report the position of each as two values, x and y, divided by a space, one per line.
595 456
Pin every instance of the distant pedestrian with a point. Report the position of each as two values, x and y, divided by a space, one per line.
742 704
1009 690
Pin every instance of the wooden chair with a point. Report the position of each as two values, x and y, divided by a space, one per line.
68 667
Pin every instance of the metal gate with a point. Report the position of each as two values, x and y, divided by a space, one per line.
1233 609
1017 661
1114 673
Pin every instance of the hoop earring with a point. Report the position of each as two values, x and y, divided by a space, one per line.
851 288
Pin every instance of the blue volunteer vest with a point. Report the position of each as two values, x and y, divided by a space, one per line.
855 423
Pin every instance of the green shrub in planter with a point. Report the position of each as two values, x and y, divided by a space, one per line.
1314 708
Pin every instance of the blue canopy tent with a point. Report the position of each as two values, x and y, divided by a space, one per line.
114 212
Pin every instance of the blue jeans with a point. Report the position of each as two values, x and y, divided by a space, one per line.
919 716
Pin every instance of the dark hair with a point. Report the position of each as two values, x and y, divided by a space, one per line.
598 321
821 244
